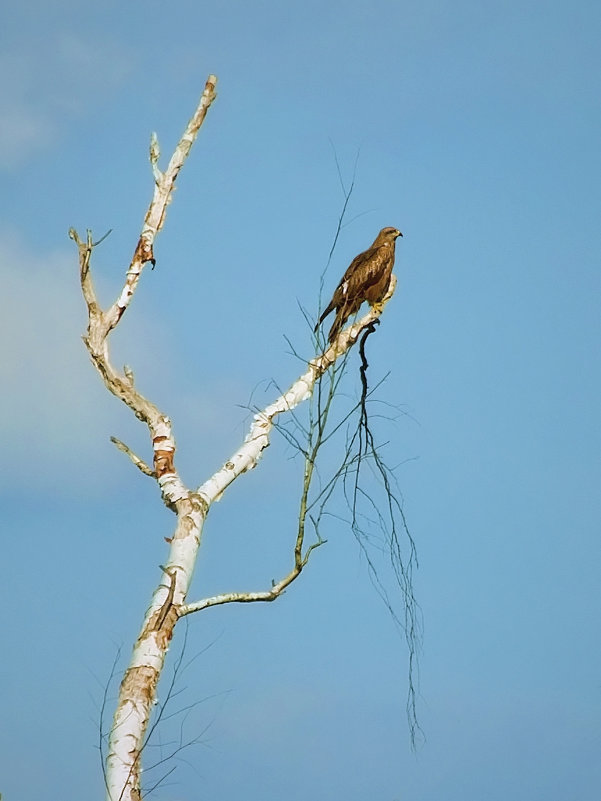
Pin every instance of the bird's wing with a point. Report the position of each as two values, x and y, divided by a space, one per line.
350 283
365 270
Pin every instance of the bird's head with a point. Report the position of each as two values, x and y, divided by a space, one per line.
387 235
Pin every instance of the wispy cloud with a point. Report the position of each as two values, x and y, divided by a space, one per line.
49 405
49 81
56 414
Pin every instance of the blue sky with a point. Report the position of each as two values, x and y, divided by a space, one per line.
477 127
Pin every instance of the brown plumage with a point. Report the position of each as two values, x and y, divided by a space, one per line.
367 278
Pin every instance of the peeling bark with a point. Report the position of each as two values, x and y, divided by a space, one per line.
137 694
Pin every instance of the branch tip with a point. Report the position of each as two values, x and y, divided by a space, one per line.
102 238
139 463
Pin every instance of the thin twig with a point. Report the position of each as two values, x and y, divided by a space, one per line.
139 463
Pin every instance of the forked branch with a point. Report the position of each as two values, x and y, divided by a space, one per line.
247 457
102 322
138 689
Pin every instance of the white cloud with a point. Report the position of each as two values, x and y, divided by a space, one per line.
48 81
56 414
22 131
50 401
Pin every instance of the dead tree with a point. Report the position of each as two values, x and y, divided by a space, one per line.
170 603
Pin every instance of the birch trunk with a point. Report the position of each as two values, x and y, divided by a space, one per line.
138 690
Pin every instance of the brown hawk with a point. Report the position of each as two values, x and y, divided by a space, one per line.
367 278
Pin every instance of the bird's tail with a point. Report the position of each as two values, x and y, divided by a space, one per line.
324 314
337 325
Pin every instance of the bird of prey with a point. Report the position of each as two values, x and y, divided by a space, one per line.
367 278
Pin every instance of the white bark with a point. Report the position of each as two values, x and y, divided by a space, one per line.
138 688
257 440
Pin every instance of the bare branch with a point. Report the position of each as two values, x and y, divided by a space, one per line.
138 689
101 323
139 463
163 189
247 457
251 597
